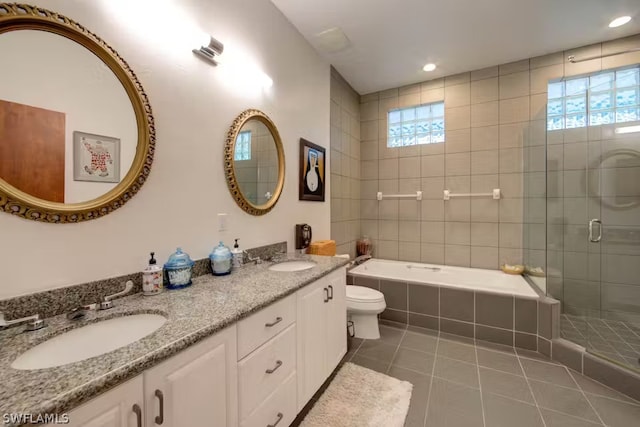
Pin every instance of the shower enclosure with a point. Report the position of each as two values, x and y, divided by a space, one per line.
592 200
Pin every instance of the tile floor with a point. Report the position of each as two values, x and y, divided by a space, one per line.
459 382
615 340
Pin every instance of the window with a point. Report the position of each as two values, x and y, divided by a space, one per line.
243 146
422 124
600 99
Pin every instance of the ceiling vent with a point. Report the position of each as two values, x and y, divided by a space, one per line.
332 40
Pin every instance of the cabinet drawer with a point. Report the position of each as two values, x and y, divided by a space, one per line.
265 369
265 324
282 403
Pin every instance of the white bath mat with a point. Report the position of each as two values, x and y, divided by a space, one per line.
360 397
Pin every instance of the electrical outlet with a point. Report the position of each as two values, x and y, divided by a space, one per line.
223 220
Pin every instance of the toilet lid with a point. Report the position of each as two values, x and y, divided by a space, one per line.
363 294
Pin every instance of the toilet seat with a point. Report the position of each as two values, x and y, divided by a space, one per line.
361 294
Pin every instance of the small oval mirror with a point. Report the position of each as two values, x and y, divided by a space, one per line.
254 162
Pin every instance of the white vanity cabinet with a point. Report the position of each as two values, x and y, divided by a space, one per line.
322 337
121 406
197 387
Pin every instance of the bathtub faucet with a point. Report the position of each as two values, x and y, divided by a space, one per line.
362 258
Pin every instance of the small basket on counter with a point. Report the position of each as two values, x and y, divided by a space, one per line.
178 270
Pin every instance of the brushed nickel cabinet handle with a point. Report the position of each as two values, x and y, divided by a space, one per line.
331 294
326 295
138 411
280 416
278 364
160 418
274 323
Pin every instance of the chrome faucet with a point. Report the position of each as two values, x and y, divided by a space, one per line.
362 258
33 322
256 260
106 302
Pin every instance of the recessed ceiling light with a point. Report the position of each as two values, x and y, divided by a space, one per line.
619 21
429 67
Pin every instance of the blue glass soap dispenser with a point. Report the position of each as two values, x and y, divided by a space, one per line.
221 260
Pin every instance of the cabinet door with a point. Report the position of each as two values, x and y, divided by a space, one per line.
312 333
336 319
197 387
111 409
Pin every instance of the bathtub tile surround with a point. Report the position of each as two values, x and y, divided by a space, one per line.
345 165
194 313
462 382
63 300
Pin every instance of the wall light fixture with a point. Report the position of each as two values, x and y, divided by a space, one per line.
210 52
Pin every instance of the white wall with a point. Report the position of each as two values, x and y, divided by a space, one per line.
88 93
193 104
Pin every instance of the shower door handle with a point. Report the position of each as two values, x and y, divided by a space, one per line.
592 238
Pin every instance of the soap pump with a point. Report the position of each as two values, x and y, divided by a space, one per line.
237 255
152 278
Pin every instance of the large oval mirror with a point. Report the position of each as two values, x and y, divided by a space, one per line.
76 130
254 162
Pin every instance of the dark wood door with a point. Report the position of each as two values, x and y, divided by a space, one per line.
32 150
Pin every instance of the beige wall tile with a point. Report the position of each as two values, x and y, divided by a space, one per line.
388 230
432 188
457 233
457 95
386 105
458 118
538 108
409 185
457 79
512 135
485 162
511 211
485 114
369 150
510 235
484 90
511 185
409 89
432 95
458 184
409 251
432 149
484 138
409 167
484 183
432 166
457 164
485 210
432 84
510 256
409 231
540 77
432 210
369 228
514 67
335 163
369 111
621 45
458 141
409 100
388 169
432 232
458 210
514 85
388 209
485 73
369 130
431 253
369 97
547 60
368 209
368 189
484 257
514 110
485 234
586 66
457 255
409 210
511 160
389 93
409 151
369 169
387 249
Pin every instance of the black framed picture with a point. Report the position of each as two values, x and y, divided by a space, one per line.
313 162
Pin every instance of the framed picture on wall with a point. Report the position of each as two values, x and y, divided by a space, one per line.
95 158
312 171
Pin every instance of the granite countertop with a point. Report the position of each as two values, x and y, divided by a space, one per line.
194 313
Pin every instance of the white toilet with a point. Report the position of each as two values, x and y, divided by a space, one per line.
363 307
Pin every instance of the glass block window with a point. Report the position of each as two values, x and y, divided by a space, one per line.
243 146
600 99
422 124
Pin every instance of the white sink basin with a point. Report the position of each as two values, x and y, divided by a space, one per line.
292 266
89 341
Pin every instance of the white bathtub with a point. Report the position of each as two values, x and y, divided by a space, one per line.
476 279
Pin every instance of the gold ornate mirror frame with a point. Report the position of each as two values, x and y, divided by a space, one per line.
14 17
229 168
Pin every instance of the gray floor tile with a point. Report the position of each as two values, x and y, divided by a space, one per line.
594 387
500 361
376 349
419 395
372 364
414 360
421 342
454 405
615 413
500 411
555 374
562 399
556 419
390 335
456 371
507 385
458 351
495 347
